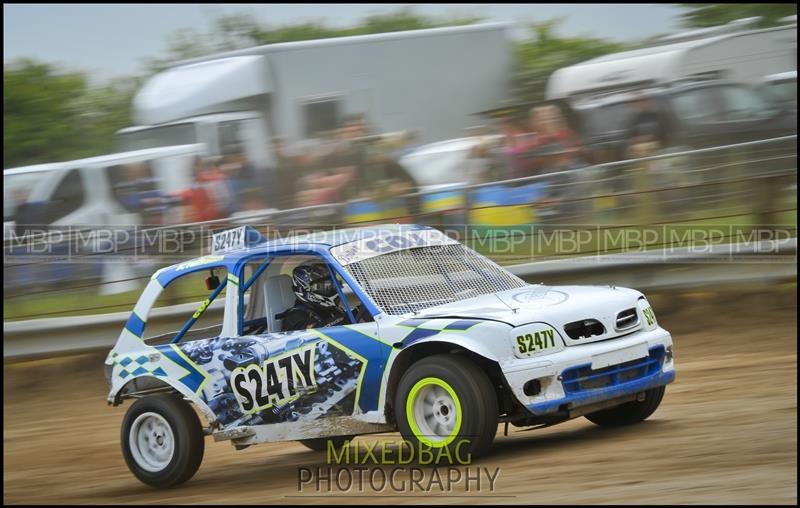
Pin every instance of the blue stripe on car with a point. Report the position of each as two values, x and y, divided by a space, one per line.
194 378
462 324
376 353
135 325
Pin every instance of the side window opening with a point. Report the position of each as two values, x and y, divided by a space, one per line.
131 183
744 103
321 116
204 319
696 105
271 297
68 196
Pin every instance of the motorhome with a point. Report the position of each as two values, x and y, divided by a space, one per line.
726 53
428 80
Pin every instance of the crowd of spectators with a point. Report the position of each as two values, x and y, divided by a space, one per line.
352 163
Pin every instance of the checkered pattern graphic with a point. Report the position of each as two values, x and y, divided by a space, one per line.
419 333
136 366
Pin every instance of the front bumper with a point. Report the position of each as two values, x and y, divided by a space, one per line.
553 372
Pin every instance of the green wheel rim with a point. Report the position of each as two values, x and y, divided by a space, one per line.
433 411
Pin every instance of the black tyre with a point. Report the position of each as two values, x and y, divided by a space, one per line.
321 444
447 400
162 440
629 412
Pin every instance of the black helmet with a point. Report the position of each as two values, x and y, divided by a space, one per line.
313 285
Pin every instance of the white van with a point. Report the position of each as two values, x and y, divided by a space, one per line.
86 191
89 194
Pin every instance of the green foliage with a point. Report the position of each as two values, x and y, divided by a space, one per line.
705 15
51 115
546 52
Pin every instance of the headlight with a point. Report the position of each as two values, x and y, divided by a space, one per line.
648 316
535 339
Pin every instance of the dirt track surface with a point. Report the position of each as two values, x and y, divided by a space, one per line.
726 432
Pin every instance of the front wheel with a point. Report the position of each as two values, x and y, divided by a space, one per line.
447 401
629 412
162 440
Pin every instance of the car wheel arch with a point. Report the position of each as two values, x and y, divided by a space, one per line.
142 386
423 349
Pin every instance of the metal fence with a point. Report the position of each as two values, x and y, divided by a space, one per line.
735 188
765 262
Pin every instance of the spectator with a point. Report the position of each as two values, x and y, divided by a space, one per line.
252 207
318 184
646 129
479 163
347 162
241 175
556 146
198 204
390 181
285 176
139 192
408 142
219 187
515 144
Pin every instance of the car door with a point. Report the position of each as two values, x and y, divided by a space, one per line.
279 376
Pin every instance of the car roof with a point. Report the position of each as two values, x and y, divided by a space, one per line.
311 243
102 160
592 102
781 77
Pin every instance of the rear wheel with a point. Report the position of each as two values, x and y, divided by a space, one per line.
447 401
162 440
629 412
320 444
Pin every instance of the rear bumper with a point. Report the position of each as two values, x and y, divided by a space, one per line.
554 373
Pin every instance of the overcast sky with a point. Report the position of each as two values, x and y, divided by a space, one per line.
112 40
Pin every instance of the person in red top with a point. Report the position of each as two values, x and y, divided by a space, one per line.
515 144
198 205
557 144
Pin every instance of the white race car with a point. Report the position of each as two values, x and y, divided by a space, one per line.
437 341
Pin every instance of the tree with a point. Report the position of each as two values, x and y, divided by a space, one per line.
51 115
39 111
705 15
539 57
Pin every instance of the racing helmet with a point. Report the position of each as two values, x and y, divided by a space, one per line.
313 286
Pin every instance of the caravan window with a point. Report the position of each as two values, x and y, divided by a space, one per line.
321 116
153 137
783 93
696 105
68 196
743 103
131 182
606 119
230 136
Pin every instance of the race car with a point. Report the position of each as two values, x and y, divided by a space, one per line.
434 340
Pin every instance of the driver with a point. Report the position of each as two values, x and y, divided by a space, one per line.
317 303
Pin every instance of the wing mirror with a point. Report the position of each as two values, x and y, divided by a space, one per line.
212 282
